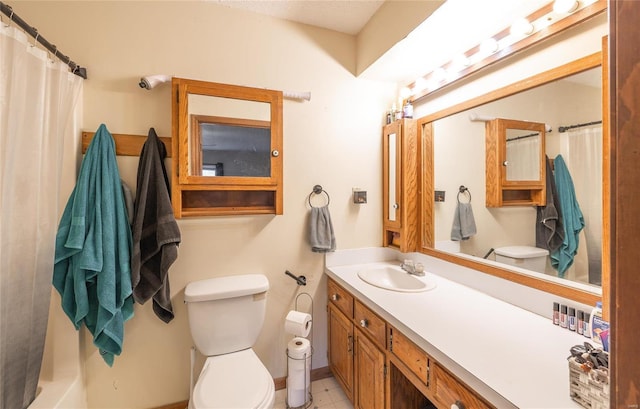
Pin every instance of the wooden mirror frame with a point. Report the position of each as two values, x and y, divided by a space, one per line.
426 181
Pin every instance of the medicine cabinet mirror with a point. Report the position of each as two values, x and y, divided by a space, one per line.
515 170
228 144
568 95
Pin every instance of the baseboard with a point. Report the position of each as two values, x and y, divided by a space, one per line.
319 373
280 383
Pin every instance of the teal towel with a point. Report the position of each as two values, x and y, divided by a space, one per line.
572 219
92 269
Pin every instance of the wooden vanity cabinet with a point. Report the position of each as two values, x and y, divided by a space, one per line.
400 186
357 341
448 392
340 349
379 367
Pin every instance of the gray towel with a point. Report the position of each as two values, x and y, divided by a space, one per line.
155 232
128 200
464 225
321 236
549 229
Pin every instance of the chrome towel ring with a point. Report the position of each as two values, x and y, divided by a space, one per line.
463 190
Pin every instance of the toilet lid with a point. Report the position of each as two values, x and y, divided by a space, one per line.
236 380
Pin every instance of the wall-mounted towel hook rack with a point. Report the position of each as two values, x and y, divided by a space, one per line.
463 190
317 189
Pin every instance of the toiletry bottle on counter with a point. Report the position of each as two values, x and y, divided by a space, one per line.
571 319
597 324
563 316
586 329
556 313
407 110
580 324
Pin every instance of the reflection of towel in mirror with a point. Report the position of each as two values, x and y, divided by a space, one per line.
549 230
321 236
464 224
93 248
155 232
572 218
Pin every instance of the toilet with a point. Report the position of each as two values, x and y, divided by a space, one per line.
527 257
225 317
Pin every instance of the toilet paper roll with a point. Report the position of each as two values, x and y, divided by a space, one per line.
297 323
299 371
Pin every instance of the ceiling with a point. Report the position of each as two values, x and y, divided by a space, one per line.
454 27
345 16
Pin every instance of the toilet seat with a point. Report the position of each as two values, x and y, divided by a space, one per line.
236 380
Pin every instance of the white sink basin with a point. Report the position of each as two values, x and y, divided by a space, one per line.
394 279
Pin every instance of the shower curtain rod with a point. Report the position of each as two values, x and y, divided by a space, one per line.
566 128
33 32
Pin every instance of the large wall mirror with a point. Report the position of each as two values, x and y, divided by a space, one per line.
564 99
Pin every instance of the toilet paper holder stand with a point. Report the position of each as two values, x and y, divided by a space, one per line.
309 396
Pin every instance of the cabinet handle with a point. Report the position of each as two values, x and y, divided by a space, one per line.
364 323
350 344
505 163
335 297
396 205
275 153
457 405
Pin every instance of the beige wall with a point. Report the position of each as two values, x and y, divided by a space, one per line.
333 140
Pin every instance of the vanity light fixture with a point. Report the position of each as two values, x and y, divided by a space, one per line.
508 41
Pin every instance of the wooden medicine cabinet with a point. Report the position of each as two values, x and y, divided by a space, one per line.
399 164
227 145
515 163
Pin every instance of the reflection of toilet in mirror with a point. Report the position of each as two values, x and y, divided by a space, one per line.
449 246
225 317
526 257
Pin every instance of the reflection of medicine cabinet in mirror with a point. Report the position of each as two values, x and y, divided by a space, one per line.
227 142
399 164
515 163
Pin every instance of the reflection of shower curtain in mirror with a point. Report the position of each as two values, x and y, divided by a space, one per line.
583 147
523 155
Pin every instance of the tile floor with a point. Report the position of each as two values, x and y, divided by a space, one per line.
326 393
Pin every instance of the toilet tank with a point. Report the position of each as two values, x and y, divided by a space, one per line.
527 257
226 313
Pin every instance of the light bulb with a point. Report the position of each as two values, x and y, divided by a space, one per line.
419 85
405 93
438 74
460 62
521 27
565 6
488 46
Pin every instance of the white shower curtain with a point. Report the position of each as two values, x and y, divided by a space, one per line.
583 156
37 98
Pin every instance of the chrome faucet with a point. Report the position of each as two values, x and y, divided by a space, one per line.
410 267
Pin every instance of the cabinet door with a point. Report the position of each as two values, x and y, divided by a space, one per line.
392 168
341 349
370 373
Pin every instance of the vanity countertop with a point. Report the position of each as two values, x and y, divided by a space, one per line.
510 356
